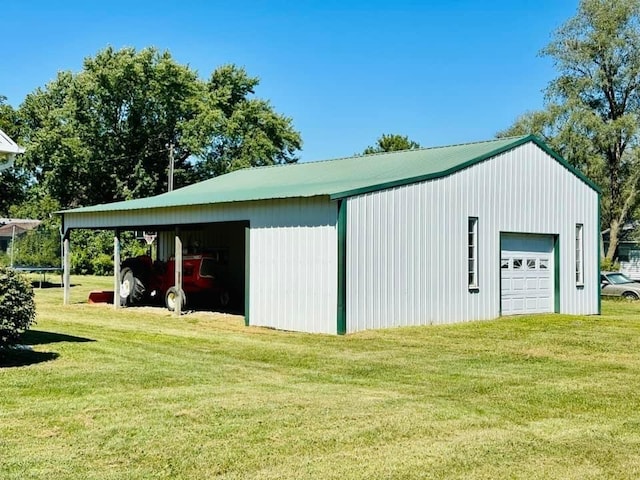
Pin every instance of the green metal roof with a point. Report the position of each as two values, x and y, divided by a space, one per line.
334 178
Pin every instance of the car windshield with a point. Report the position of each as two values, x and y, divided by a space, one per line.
618 278
207 268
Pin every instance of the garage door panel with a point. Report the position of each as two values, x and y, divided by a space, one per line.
531 303
525 267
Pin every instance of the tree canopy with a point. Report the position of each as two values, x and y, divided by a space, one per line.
13 181
391 143
104 134
8 118
593 106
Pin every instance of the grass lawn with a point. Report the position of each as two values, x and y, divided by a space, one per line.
139 394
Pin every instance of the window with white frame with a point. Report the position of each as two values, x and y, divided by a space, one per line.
579 255
473 252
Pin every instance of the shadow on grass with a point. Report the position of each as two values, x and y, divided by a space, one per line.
23 355
48 284
20 357
38 337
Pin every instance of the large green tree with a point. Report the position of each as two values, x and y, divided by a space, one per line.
391 143
13 181
239 130
9 122
593 106
106 133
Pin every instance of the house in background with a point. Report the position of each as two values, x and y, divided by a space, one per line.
427 236
628 253
8 151
11 228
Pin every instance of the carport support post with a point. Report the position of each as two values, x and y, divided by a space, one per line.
178 275
66 268
116 269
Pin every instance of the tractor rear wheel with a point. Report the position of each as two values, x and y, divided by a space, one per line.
131 288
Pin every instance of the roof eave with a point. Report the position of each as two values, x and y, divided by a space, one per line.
95 209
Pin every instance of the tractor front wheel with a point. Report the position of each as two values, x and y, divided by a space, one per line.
171 299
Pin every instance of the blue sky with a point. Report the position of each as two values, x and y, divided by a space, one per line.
441 72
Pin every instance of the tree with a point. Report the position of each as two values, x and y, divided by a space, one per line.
104 134
242 131
13 188
8 118
13 181
391 143
593 106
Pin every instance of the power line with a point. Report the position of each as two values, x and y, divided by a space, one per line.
133 157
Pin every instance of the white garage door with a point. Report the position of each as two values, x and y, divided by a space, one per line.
526 270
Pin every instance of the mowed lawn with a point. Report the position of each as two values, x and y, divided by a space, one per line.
139 394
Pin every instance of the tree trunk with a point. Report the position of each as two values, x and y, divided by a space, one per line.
614 233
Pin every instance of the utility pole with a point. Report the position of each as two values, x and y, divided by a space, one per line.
13 244
170 145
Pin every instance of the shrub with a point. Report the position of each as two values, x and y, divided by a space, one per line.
607 265
17 307
92 251
102 265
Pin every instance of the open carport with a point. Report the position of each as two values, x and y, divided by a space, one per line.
280 254
215 250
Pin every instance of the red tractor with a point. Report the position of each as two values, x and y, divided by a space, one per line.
145 281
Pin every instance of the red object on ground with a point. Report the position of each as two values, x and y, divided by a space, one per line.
101 296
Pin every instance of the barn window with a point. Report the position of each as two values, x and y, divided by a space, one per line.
473 252
579 256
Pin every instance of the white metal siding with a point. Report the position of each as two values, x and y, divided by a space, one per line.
294 266
407 250
293 254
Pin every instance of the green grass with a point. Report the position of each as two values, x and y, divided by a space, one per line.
139 394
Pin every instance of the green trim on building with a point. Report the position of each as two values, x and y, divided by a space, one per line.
336 179
499 256
247 273
598 259
468 163
556 273
341 317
